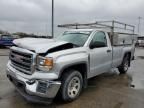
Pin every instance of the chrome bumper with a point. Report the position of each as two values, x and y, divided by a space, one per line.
34 90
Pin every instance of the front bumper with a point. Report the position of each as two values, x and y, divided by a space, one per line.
34 90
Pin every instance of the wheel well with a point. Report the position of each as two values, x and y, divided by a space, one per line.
129 56
82 68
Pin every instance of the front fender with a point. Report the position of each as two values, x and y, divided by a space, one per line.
66 61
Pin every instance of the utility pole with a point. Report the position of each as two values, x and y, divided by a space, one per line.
52 27
139 23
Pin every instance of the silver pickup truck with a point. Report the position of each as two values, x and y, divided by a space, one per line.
41 69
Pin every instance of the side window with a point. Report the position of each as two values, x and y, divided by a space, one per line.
99 40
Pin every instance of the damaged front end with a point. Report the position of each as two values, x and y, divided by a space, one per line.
33 84
37 90
32 72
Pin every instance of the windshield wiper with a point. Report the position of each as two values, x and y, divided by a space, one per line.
77 33
75 45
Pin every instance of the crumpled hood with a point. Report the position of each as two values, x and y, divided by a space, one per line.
38 45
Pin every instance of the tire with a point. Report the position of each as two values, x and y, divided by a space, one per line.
125 65
72 84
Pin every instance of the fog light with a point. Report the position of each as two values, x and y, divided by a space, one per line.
42 87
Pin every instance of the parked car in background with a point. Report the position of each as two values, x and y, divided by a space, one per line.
6 40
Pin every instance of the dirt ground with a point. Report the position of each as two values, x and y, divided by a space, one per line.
109 90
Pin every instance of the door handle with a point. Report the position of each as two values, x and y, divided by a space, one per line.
108 51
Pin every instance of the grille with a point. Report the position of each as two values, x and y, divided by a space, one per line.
22 61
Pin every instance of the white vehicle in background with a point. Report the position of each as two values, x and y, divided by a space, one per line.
42 68
141 41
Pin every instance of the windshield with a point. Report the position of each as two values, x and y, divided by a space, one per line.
76 38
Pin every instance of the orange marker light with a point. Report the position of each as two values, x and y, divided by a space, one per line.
48 62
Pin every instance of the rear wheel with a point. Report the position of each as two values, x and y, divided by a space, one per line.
72 83
125 65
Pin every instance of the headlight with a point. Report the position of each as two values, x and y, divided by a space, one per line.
44 63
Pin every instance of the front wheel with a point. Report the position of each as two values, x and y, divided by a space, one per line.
125 65
72 83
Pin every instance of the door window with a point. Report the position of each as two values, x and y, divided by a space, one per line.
99 40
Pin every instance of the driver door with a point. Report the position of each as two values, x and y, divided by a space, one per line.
100 55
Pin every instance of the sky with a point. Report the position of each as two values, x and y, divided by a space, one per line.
34 16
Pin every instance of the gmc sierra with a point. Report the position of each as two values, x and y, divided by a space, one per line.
42 68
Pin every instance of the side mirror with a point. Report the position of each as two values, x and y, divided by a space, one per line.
97 44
